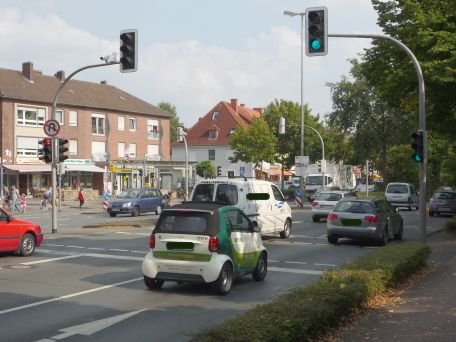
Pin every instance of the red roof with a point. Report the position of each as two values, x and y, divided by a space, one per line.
229 116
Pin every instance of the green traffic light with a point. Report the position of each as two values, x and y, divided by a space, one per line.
316 45
416 157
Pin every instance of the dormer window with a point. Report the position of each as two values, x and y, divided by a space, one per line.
213 133
215 116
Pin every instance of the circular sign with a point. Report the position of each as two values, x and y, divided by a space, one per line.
51 128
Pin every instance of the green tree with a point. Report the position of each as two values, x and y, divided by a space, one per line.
255 143
205 169
401 167
174 120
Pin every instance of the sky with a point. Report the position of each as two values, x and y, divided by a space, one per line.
192 53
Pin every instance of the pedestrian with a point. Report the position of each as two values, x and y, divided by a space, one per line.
15 199
23 202
6 198
81 198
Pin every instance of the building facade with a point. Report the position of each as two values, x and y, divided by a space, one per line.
115 139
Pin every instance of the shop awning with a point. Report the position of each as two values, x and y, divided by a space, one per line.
26 168
83 168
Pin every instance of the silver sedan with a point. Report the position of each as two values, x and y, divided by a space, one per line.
367 218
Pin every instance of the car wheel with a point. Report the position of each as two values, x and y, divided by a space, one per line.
158 210
384 239
261 268
316 219
285 233
400 233
135 211
112 214
332 239
153 284
222 285
27 246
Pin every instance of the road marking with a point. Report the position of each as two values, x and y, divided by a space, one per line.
71 295
49 260
68 246
289 243
308 236
142 252
118 250
96 248
296 262
88 329
293 270
330 265
52 244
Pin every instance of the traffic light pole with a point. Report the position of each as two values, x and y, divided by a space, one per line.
55 146
422 120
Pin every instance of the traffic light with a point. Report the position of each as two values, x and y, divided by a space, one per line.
45 152
128 50
316 31
219 171
63 149
417 145
371 167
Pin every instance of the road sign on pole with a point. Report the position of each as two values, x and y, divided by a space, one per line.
51 128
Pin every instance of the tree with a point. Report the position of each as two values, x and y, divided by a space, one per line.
174 120
205 169
255 143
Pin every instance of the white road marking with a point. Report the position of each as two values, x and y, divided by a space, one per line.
308 236
71 295
330 265
118 250
296 262
49 260
142 252
81 247
293 270
54 245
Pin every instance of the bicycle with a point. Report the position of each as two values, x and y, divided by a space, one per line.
45 204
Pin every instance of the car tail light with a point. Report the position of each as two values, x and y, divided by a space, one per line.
314 203
332 217
152 241
371 218
213 244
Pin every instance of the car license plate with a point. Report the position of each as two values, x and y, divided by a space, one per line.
327 206
115 209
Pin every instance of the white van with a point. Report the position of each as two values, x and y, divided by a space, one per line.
402 195
261 201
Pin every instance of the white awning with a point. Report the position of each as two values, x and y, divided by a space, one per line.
83 168
28 168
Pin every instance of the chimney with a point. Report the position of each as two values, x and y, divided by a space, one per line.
104 82
234 104
258 109
60 75
27 70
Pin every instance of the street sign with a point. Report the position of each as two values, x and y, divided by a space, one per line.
301 165
51 128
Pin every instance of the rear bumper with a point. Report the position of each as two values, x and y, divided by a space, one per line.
351 232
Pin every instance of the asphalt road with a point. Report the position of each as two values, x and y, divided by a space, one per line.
86 284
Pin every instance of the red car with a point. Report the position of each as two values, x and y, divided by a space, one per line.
17 235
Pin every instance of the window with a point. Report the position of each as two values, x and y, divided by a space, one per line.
121 123
232 130
211 154
98 124
152 150
215 116
132 150
213 133
73 118
30 116
121 150
152 130
98 147
132 124
27 147
227 193
73 147
59 116
277 194
236 220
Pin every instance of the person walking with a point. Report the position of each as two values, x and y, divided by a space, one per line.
23 201
6 199
15 199
81 198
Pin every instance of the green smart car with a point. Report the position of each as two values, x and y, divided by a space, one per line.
204 242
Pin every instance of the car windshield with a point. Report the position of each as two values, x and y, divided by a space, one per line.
130 193
314 180
445 195
203 192
183 223
354 207
328 196
397 189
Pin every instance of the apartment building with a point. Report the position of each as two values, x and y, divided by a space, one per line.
116 140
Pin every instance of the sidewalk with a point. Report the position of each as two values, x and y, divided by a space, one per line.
424 312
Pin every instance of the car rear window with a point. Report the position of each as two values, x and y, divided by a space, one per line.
188 223
329 196
445 195
203 192
397 189
354 207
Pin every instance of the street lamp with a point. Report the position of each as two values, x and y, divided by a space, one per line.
282 131
181 137
301 14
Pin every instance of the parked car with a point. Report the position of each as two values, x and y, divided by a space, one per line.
325 202
443 202
402 195
135 202
204 242
368 218
17 235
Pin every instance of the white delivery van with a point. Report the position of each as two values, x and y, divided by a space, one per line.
261 201
402 195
